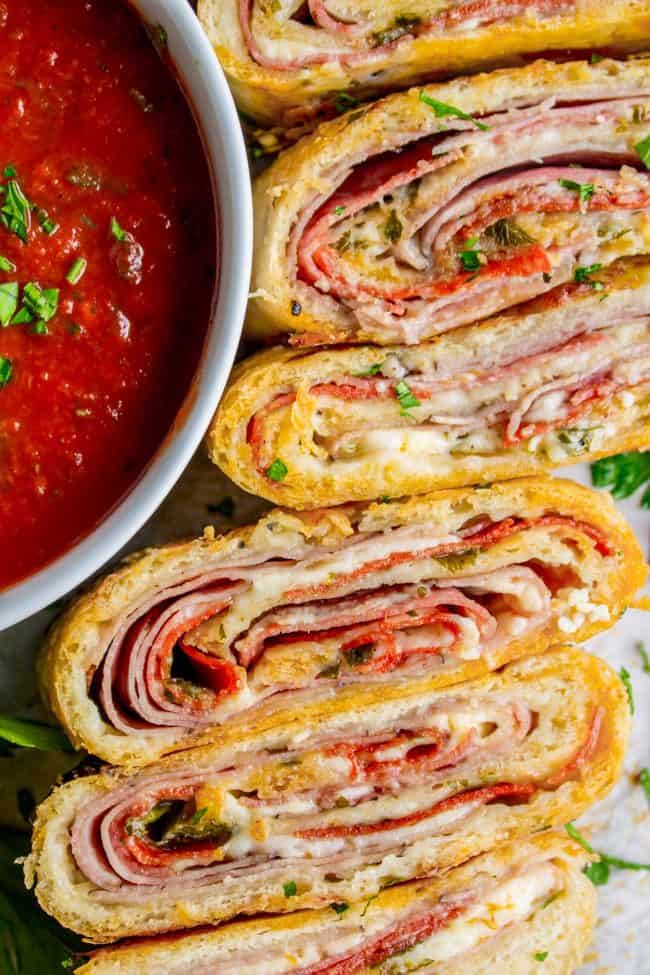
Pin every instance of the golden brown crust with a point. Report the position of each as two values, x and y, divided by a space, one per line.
311 170
63 892
313 480
74 645
275 96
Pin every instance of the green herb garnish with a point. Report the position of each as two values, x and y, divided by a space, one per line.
8 302
372 370
407 401
33 734
509 234
340 907
42 303
599 872
400 27
582 275
118 232
584 190
48 226
623 474
624 674
445 111
9 172
6 370
644 781
392 228
290 889
6 264
344 102
645 656
541 955
643 151
278 470
77 270
15 211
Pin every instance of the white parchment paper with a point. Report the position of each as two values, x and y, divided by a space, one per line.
620 825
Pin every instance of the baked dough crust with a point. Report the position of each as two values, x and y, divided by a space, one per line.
314 479
66 894
311 171
563 929
76 643
276 96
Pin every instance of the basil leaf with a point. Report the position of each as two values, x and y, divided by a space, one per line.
33 734
623 474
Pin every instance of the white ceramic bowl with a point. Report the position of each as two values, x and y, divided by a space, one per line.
215 112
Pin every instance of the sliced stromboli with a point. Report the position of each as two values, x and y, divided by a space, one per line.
331 805
501 912
425 592
562 378
446 204
290 63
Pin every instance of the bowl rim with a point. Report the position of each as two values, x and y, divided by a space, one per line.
209 97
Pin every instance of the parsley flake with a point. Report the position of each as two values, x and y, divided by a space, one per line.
339 907
118 232
644 781
584 190
643 151
372 370
624 674
582 275
541 955
6 370
446 111
278 470
290 888
407 401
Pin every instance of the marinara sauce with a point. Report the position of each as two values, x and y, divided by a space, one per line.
107 266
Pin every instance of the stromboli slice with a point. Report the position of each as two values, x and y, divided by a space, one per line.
358 599
290 62
443 205
501 912
331 806
564 377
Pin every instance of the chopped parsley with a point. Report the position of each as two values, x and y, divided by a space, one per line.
339 211
407 401
9 172
623 474
584 190
470 257
645 657
6 370
290 889
643 151
372 370
344 102
446 111
48 226
15 213
278 470
576 441
8 302
644 781
582 275
339 907
41 303
401 27
508 234
624 674
77 270
599 872
392 228
6 264
541 955
118 232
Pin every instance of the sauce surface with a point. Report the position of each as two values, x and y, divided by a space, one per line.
107 265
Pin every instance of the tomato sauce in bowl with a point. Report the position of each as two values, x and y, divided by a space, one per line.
108 260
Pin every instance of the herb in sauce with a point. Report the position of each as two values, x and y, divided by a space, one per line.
118 232
6 370
445 111
41 303
15 211
77 270
8 302
48 226
6 264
